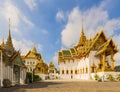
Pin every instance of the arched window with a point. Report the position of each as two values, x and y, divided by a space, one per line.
62 71
71 71
39 69
92 69
75 71
66 71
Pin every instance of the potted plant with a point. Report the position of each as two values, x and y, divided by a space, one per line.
99 80
118 77
96 77
7 83
110 77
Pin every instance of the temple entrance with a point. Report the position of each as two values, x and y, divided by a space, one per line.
16 74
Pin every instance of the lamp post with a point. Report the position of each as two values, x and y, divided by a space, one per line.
1 69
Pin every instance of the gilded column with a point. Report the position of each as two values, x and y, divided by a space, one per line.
112 60
103 61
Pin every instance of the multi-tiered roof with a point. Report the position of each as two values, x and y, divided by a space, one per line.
99 43
10 55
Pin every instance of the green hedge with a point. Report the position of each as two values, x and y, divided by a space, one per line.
29 78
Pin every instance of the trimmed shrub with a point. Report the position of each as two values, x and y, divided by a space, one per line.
110 77
99 80
118 77
29 77
36 78
96 77
7 83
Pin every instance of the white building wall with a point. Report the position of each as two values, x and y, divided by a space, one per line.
74 65
30 63
108 58
94 59
83 63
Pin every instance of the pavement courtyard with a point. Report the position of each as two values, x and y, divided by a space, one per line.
66 86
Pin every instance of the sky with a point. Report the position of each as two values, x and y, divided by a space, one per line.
53 25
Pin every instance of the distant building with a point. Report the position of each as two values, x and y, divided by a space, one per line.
11 65
88 57
52 71
35 63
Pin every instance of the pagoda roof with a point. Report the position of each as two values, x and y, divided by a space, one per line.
99 43
106 47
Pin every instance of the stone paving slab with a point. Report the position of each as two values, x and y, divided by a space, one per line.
66 86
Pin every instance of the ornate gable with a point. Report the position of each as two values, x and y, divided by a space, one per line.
99 40
30 55
33 54
17 60
108 47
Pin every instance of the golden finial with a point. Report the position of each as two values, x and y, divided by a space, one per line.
9 23
82 26
102 28
51 64
9 35
34 48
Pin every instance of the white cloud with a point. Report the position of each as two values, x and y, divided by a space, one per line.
31 4
116 39
44 31
94 19
117 59
25 45
24 18
39 47
70 33
17 17
60 16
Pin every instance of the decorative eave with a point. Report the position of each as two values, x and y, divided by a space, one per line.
95 39
12 59
27 54
103 48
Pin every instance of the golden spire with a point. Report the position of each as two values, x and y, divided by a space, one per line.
51 64
9 45
9 34
34 49
82 29
82 37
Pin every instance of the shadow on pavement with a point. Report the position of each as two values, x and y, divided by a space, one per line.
34 85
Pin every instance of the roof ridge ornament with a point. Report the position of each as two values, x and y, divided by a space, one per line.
82 37
34 50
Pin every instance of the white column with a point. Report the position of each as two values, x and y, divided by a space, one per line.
88 60
1 70
8 72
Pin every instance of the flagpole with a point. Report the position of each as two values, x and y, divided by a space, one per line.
1 70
